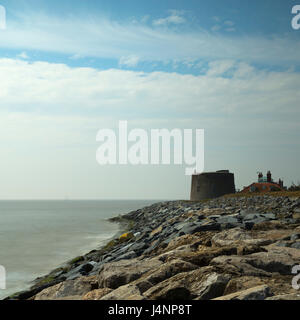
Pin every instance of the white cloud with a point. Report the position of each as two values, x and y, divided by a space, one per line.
130 61
56 89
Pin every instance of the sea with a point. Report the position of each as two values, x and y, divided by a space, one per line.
39 236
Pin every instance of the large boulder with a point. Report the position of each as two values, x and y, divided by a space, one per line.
69 288
168 270
276 259
237 265
212 286
202 283
115 274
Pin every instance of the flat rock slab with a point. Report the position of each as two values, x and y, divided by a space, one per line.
256 293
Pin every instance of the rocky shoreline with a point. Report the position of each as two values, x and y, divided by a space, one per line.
238 247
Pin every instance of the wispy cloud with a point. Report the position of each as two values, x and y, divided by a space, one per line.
175 17
23 55
226 25
103 38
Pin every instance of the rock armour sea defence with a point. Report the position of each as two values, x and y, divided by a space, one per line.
230 248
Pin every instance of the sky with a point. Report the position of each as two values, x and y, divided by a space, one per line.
71 68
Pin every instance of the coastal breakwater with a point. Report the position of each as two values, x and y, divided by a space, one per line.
229 248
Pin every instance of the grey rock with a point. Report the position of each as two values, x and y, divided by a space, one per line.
296 245
127 255
295 236
213 286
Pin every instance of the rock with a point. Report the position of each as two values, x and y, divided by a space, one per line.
236 236
81 270
213 286
96 294
115 274
201 257
256 293
289 296
274 260
126 292
126 256
175 253
296 245
295 236
296 214
181 241
189 228
139 246
86 268
69 298
168 270
77 287
209 226
270 225
243 283
169 289
200 283
237 265
206 225
249 249
156 231
198 251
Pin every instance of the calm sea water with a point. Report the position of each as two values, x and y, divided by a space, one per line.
38 236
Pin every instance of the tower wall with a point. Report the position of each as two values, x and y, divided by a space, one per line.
212 185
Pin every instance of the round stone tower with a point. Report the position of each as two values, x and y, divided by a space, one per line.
210 185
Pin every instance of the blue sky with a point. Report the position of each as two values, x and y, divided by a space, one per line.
70 68
110 34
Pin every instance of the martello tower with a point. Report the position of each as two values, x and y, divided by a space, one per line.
210 185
